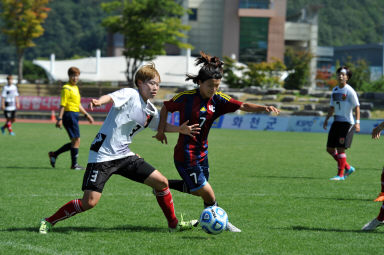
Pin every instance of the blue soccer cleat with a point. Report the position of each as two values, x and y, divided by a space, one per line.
338 178
349 172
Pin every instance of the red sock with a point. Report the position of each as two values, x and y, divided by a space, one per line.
382 181
70 209
341 161
164 198
9 126
381 214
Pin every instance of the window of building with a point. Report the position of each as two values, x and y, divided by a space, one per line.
255 4
193 14
253 39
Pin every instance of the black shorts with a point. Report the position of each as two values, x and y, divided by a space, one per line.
9 114
132 167
340 135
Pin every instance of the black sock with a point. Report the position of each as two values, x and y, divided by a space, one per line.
213 204
178 185
64 148
74 154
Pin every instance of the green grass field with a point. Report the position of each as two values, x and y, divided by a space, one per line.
274 186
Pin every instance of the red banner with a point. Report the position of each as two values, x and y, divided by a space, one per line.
36 103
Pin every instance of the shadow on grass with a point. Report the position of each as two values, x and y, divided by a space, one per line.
32 167
336 198
125 228
287 177
303 228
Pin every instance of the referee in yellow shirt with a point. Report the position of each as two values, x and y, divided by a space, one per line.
70 107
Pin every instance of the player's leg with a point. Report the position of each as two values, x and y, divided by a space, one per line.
331 147
348 142
380 197
333 152
52 155
10 120
336 139
163 196
136 169
71 124
376 222
75 144
95 177
73 207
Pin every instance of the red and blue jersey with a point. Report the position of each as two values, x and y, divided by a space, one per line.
191 106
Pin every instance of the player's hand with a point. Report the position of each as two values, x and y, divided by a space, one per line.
191 130
357 127
325 124
93 103
90 118
161 137
376 132
59 123
273 109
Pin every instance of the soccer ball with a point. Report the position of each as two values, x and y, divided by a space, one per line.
213 220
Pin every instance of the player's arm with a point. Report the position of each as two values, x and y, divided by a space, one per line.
160 136
3 103
99 102
86 114
183 129
17 102
357 115
249 107
331 110
377 131
59 122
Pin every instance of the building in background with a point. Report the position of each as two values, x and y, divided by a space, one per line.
371 53
245 30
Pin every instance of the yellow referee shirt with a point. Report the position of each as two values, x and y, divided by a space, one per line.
70 98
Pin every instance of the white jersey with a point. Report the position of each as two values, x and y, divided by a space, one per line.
128 116
344 100
9 95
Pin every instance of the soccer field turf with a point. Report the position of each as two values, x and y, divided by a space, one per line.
274 186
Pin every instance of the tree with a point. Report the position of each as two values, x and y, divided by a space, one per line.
147 26
298 61
360 72
233 73
22 23
265 74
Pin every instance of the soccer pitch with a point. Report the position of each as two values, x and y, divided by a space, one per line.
274 186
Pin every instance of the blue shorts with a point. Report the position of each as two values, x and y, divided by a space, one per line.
194 176
71 124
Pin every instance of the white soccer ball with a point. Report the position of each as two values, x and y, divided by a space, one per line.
213 220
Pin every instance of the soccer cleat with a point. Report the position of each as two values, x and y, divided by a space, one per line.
184 225
372 225
232 228
3 130
45 227
52 158
349 172
77 167
338 178
12 133
380 197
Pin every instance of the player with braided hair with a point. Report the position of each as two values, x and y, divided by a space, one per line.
201 105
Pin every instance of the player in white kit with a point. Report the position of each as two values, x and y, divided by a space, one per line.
9 103
343 101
